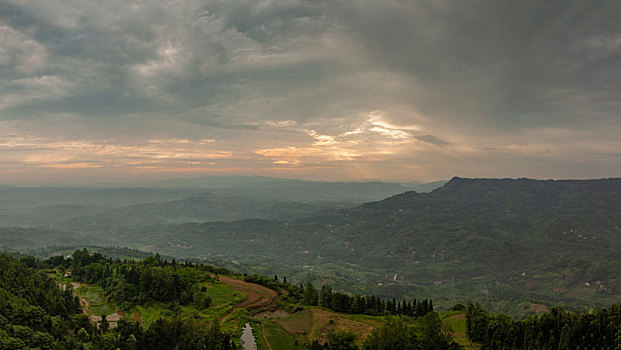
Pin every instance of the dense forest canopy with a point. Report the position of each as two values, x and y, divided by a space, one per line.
556 329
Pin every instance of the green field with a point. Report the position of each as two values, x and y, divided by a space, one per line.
98 303
220 293
455 321
278 338
149 314
223 299
257 331
225 312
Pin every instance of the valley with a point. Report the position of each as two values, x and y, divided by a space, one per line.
497 242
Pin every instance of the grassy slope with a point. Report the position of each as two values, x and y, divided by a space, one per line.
455 321
278 338
221 293
325 320
257 330
224 301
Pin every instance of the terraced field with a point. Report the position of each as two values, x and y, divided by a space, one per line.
95 304
297 324
221 293
277 338
274 327
256 296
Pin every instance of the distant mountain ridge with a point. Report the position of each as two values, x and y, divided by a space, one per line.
426 187
280 189
215 181
213 198
194 209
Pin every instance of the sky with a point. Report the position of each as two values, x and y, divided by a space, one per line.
115 91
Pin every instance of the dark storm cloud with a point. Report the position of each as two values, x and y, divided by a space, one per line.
432 139
520 63
331 81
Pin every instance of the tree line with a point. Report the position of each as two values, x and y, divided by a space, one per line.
344 302
555 329
363 304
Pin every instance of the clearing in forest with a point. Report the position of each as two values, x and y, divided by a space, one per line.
456 322
95 303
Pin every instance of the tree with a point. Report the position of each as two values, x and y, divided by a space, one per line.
202 299
310 295
326 296
343 340
103 325
395 335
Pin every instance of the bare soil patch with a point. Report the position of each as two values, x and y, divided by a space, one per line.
278 313
136 316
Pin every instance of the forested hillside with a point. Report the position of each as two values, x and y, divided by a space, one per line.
94 302
556 329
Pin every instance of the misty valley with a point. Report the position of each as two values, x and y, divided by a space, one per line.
292 264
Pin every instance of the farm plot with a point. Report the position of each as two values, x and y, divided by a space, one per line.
256 296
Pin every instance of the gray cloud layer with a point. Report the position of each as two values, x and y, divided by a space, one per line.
316 89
